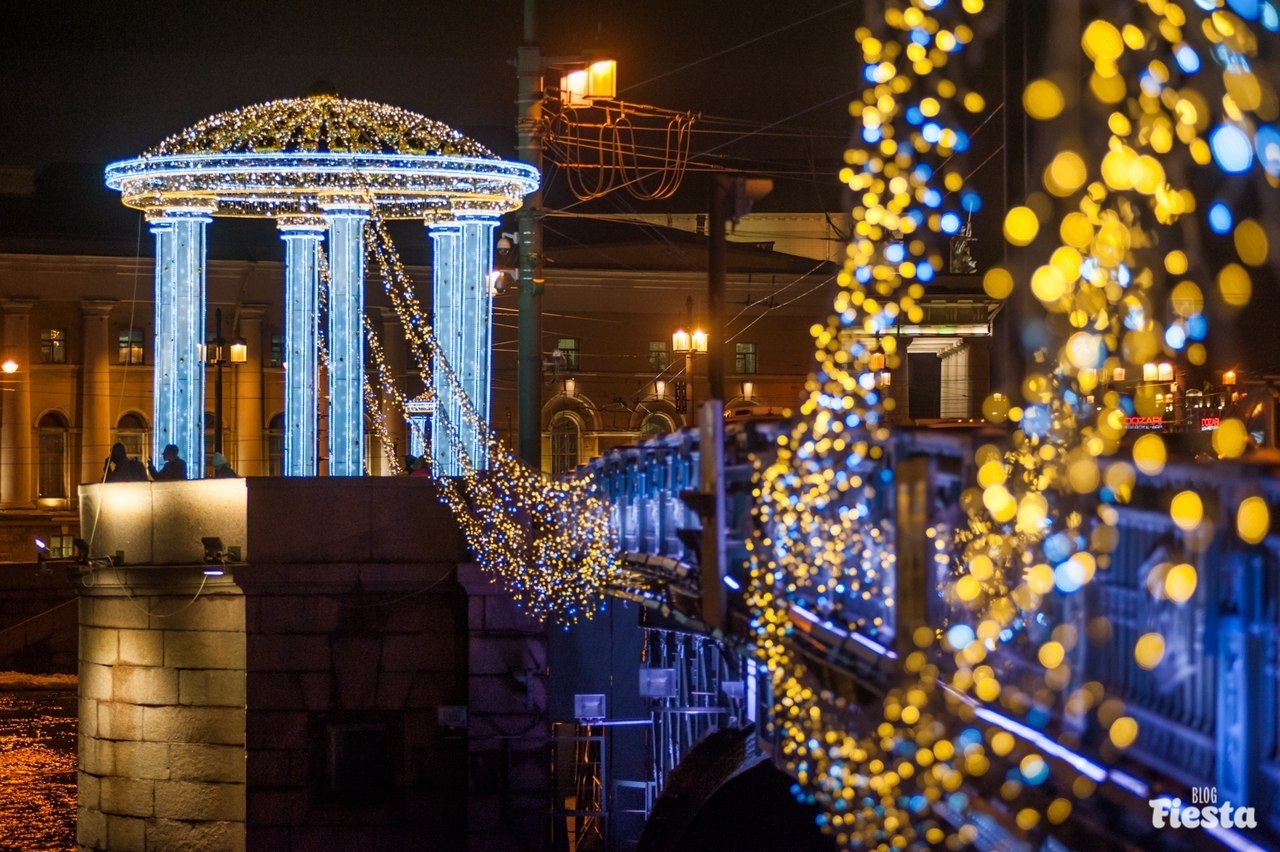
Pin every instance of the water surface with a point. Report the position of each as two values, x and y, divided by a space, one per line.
37 770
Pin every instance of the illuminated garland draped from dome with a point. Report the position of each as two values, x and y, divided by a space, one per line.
549 541
1041 518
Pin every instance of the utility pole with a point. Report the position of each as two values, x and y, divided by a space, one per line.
732 197
529 225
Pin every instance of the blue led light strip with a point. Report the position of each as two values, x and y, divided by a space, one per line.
178 382
463 313
302 281
346 339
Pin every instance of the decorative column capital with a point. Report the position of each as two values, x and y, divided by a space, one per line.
98 307
17 305
162 216
302 227
346 208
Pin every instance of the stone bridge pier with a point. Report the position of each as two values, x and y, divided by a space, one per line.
310 687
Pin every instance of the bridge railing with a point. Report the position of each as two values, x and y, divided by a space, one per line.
1209 714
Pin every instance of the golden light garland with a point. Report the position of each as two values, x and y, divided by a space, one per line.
1037 530
549 541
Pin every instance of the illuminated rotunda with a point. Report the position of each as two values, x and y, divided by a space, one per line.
321 167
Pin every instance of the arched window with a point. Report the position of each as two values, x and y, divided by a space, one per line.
566 438
656 423
275 446
53 457
131 430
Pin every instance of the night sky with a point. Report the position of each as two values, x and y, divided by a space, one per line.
94 81
89 82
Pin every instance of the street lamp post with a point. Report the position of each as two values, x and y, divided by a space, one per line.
222 352
688 345
587 81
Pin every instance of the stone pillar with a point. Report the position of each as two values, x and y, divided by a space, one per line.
162 710
180 336
446 431
462 261
251 453
346 338
16 429
95 388
302 237
979 373
393 346
900 380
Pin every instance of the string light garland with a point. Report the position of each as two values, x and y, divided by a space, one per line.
1041 521
288 157
548 541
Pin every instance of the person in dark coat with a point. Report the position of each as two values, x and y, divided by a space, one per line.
120 468
174 467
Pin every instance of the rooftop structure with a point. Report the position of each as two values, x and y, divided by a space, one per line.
321 166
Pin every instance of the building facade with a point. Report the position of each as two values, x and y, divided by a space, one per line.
77 331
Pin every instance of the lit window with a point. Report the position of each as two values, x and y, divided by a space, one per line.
131 430
61 546
52 465
656 424
745 359
568 347
129 346
565 438
659 355
53 346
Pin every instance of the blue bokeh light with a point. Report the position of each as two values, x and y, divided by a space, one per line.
1232 150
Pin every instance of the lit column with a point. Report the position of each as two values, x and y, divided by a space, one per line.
463 300
476 357
302 237
180 307
16 428
251 456
445 312
346 338
95 422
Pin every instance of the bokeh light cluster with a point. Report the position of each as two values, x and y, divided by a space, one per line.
1123 283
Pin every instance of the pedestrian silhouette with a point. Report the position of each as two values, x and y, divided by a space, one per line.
222 467
120 468
174 467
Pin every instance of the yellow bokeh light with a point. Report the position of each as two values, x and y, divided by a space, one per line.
1066 173
1124 731
1043 100
1051 654
1253 520
1149 650
1231 438
1235 285
997 283
1180 583
1251 242
1021 226
1186 510
1102 41
1149 454
1175 262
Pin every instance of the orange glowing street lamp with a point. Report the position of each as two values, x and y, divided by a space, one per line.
686 344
